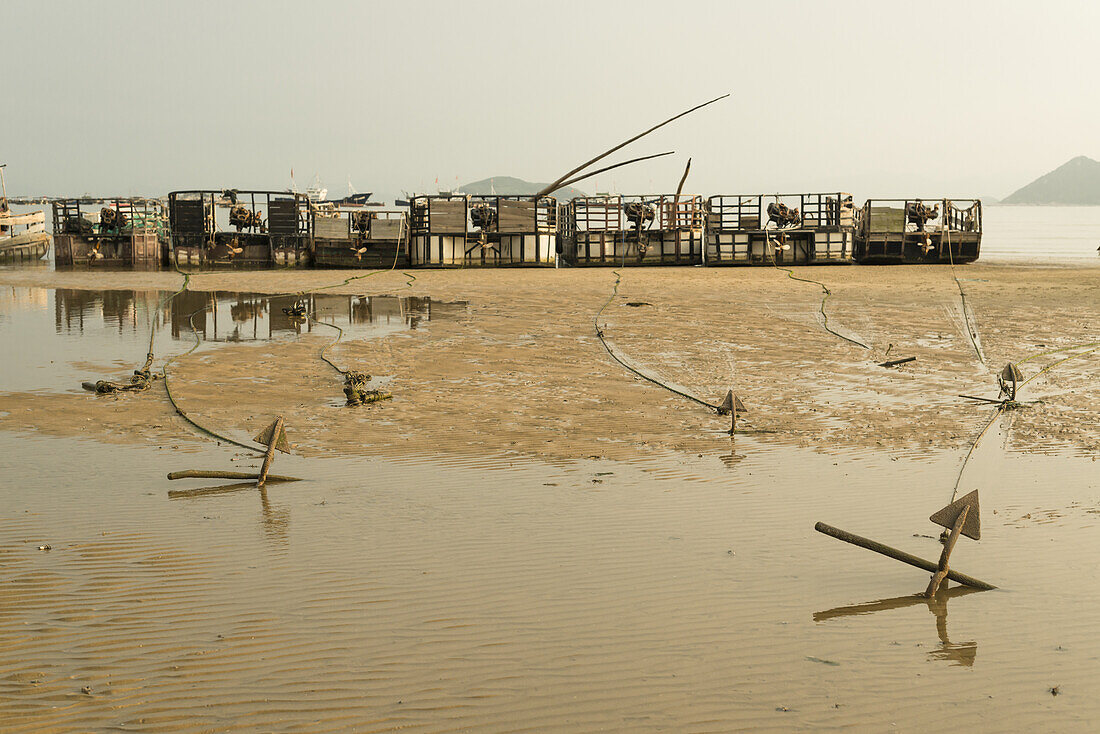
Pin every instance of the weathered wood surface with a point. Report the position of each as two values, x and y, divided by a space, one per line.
16 219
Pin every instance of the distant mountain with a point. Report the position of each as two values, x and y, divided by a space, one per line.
1075 182
507 185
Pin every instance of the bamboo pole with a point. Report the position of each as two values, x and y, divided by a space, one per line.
898 555
598 171
554 186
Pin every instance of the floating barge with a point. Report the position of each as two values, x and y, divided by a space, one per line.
122 232
634 230
918 231
239 229
452 230
787 229
360 237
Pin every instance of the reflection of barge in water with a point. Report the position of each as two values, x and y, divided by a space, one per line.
247 317
918 231
254 229
465 231
128 232
360 237
634 230
787 229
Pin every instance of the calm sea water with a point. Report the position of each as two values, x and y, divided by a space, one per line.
1061 235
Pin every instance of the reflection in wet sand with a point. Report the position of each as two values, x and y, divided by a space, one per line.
274 520
238 316
956 653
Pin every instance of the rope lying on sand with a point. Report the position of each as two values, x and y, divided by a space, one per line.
172 398
824 297
610 351
971 329
1006 404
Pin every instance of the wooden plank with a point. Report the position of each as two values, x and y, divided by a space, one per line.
32 218
7 243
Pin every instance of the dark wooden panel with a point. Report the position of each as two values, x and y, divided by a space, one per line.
282 216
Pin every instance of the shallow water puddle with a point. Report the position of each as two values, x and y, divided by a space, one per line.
65 334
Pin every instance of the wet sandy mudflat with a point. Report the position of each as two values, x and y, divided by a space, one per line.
529 537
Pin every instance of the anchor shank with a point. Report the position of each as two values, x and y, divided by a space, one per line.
899 555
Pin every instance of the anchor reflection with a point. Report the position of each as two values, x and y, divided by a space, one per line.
274 519
963 653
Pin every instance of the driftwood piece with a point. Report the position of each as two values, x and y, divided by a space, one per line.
896 362
899 555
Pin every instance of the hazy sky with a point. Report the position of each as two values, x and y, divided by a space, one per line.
874 98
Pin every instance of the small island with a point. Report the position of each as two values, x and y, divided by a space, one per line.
1074 183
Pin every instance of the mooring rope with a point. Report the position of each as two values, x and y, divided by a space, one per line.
1004 405
142 378
974 445
1091 347
971 331
172 398
824 297
610 351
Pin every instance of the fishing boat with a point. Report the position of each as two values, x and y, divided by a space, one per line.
459 230
261 229
784 229
634 230
23 237
123 232
360 237
918 231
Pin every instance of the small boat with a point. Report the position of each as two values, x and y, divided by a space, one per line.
23 237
